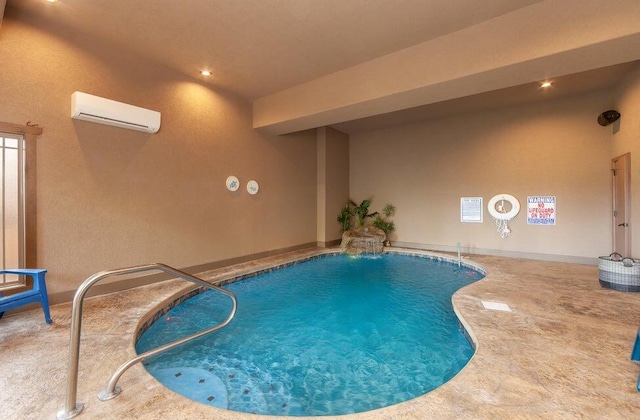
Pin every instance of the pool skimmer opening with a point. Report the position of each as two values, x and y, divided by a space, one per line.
496 306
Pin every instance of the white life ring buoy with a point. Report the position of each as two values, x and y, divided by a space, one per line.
503 215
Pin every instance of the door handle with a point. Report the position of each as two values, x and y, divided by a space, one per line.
624 224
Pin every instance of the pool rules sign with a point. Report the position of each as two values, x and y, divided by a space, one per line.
541 210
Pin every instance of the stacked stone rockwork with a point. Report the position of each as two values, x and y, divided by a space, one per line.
367 240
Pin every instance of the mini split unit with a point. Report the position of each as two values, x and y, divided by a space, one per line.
105 111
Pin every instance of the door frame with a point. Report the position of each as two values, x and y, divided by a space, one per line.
626 178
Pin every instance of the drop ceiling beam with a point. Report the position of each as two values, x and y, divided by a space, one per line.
547 39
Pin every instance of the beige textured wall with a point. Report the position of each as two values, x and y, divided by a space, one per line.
626 139
2 6
110 198
333 183
553 148
337 168
321 186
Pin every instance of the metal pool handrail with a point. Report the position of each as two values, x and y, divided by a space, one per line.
71 407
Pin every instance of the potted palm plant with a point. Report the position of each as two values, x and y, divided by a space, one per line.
384 223
344 218
361 212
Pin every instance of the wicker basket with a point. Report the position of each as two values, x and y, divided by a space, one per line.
619 273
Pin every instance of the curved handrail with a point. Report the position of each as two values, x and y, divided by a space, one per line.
71 407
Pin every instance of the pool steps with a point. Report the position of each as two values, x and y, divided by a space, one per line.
72 408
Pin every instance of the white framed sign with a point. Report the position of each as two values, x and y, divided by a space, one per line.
471 209
541 210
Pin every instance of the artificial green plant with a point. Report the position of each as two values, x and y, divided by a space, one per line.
385 223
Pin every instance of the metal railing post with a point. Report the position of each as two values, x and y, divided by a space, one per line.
72 408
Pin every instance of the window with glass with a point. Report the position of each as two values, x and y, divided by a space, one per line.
12 203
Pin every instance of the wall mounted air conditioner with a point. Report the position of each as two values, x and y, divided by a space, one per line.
105 111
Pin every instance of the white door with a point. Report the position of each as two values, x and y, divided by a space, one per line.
621 200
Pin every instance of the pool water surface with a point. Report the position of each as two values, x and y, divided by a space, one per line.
329 336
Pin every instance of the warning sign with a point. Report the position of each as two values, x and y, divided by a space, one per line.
541 210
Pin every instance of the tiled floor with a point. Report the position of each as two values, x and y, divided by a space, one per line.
563 352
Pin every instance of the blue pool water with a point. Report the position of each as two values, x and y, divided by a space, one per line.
333 335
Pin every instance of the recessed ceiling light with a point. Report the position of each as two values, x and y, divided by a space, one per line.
546 84
205 73
51 1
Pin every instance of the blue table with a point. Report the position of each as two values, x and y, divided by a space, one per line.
635 353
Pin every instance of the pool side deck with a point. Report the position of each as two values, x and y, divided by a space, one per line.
562 352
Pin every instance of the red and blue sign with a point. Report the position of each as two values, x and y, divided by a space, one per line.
541 210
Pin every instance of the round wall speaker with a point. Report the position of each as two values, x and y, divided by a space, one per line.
608 117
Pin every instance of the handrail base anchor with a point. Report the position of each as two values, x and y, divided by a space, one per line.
105 395
64 415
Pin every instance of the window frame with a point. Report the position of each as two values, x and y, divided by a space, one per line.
30 134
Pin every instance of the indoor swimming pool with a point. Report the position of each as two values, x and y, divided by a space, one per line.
328 336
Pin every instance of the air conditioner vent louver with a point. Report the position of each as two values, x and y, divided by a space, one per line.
106 111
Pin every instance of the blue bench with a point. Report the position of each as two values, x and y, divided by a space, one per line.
635 353
37 293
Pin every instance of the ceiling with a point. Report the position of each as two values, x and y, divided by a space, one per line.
574 84
257 48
